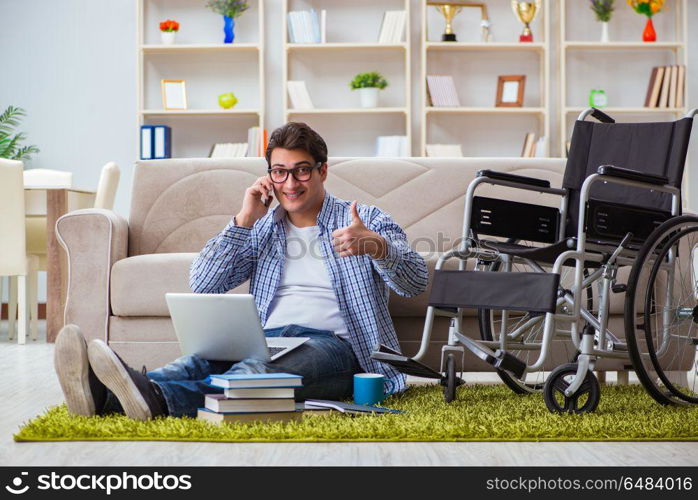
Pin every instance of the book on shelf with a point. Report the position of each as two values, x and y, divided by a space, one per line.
232 417
680 86
666 88
147 142
393 26
529 146
256 141
444 150
442 91
229 150
256 380
305 26
221 404
392 146
539 148
162 142
672 86
298 93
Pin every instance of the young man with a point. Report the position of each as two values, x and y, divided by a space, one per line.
319 267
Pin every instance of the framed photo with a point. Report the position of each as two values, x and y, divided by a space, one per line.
174 94
510 91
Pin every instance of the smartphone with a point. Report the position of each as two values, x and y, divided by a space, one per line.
267 201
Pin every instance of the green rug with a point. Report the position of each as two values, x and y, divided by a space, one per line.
480 413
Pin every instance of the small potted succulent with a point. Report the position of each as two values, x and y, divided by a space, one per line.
229 9
603 10
168 31
368 85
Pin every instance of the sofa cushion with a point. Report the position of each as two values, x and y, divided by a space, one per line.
139 284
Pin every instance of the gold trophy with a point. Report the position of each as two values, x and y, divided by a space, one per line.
526 12
449 10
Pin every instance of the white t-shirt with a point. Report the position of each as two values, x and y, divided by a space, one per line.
305 295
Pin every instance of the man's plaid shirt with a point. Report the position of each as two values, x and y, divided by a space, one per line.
360 283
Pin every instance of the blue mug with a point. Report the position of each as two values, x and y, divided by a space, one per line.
368 388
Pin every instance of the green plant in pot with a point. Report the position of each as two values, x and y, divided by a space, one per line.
368 85
229 9
10 140
603 10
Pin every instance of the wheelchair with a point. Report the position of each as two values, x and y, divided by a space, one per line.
543 277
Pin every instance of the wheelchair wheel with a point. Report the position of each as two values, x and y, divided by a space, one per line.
451 382
585 400
661 312
530 326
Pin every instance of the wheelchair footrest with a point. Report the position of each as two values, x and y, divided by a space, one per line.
406 365
509 363
499 359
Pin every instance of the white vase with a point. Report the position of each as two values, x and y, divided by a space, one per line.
369 97
168 37
604 32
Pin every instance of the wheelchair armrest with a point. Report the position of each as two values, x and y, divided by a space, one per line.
520 179
601 116
633 175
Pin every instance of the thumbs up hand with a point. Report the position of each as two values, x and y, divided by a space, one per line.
357 239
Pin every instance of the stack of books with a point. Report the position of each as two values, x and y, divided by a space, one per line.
252 397
393 27
666 87
298 93
305 26
442 91
229 150
392 146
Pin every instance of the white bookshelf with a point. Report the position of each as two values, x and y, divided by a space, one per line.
586 63
475 67
209 67
349 129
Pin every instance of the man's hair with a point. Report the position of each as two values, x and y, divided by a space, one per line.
297 135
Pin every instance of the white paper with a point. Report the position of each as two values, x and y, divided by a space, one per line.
510 91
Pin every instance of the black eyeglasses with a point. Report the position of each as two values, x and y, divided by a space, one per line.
301 174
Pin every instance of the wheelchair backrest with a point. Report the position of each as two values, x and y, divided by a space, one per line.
657 148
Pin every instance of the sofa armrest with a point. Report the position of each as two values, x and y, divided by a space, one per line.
94 240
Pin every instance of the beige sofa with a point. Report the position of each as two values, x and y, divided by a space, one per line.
120 271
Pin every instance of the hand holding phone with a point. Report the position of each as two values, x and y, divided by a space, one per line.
256 202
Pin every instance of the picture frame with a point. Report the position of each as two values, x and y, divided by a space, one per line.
510 91
174 94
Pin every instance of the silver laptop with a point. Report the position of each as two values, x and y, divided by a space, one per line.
224 327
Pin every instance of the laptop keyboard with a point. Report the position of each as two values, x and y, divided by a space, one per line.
275 350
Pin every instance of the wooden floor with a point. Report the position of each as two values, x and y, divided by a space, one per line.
28 385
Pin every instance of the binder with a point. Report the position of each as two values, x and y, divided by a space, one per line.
147 142
162 135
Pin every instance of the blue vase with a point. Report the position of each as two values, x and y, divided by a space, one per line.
228 29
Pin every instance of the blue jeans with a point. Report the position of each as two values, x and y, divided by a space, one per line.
326 362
